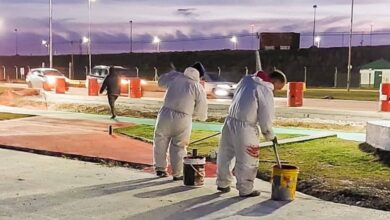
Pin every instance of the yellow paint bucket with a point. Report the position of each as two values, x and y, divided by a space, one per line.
284 182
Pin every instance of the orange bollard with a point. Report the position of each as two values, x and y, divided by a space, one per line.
135 88
385 97
93 87
295 94
60 85
125 86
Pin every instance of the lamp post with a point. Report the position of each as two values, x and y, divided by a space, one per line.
314 23
371 35
16 41
89 36
317 40
50 46
131 36
350 50
234 40
253 35
157 41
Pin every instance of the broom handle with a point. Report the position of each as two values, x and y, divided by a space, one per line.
277 155
205 138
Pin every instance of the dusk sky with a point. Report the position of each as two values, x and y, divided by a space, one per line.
184 20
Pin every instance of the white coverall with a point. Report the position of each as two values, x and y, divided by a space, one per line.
252 105
185 98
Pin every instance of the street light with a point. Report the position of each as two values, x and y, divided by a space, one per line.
89 35
234 40
45 44
350 49
50 34
85 40
157 41
16 41
131 36
317 40
253 35
314 23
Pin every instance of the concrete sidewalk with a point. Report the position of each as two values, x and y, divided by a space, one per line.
41 187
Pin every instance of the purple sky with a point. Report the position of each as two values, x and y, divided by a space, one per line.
185 20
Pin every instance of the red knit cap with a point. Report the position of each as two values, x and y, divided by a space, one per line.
263 75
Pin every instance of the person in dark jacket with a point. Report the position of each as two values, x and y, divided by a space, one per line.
112 83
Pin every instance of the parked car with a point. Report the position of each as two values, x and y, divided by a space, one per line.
45 78
218 87
101 71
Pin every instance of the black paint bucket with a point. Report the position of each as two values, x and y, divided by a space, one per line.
194 171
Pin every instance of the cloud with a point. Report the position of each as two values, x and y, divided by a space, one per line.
187 12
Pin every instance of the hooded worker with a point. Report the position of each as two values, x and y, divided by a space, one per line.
112 83
252 106
185 98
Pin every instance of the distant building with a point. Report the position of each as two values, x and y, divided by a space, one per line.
373 74
280 41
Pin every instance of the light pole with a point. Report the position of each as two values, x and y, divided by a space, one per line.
371 35
46 45
50 34
253 35
314 23
157 41
317 40
16 41
350 50
89 36
131 36
234 40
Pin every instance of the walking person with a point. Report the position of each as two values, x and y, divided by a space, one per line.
112 83
252 106
184 100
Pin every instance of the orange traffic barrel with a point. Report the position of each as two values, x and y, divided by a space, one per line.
135 88
93 87
125 83
385 97
295 94
60 85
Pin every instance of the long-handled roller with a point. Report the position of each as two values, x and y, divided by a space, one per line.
274 142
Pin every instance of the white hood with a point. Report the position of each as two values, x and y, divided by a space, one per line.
192 73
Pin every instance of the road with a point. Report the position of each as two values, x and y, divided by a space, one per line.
41 187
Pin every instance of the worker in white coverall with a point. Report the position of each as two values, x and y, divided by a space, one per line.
185 98
252 106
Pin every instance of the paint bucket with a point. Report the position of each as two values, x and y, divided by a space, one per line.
284 182
194 171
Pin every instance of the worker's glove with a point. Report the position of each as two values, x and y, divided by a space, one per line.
275 140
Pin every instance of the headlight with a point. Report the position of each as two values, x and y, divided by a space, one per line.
223 86
234 86
124 81
221 92
143 82
51 80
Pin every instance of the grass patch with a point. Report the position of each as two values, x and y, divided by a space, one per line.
336 170
9 116
358 95
145 132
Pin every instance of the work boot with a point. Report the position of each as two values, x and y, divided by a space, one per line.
223 190
254 193
177 178
161 174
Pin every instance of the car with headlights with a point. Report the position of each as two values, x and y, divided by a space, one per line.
45 78
217 87
100 72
